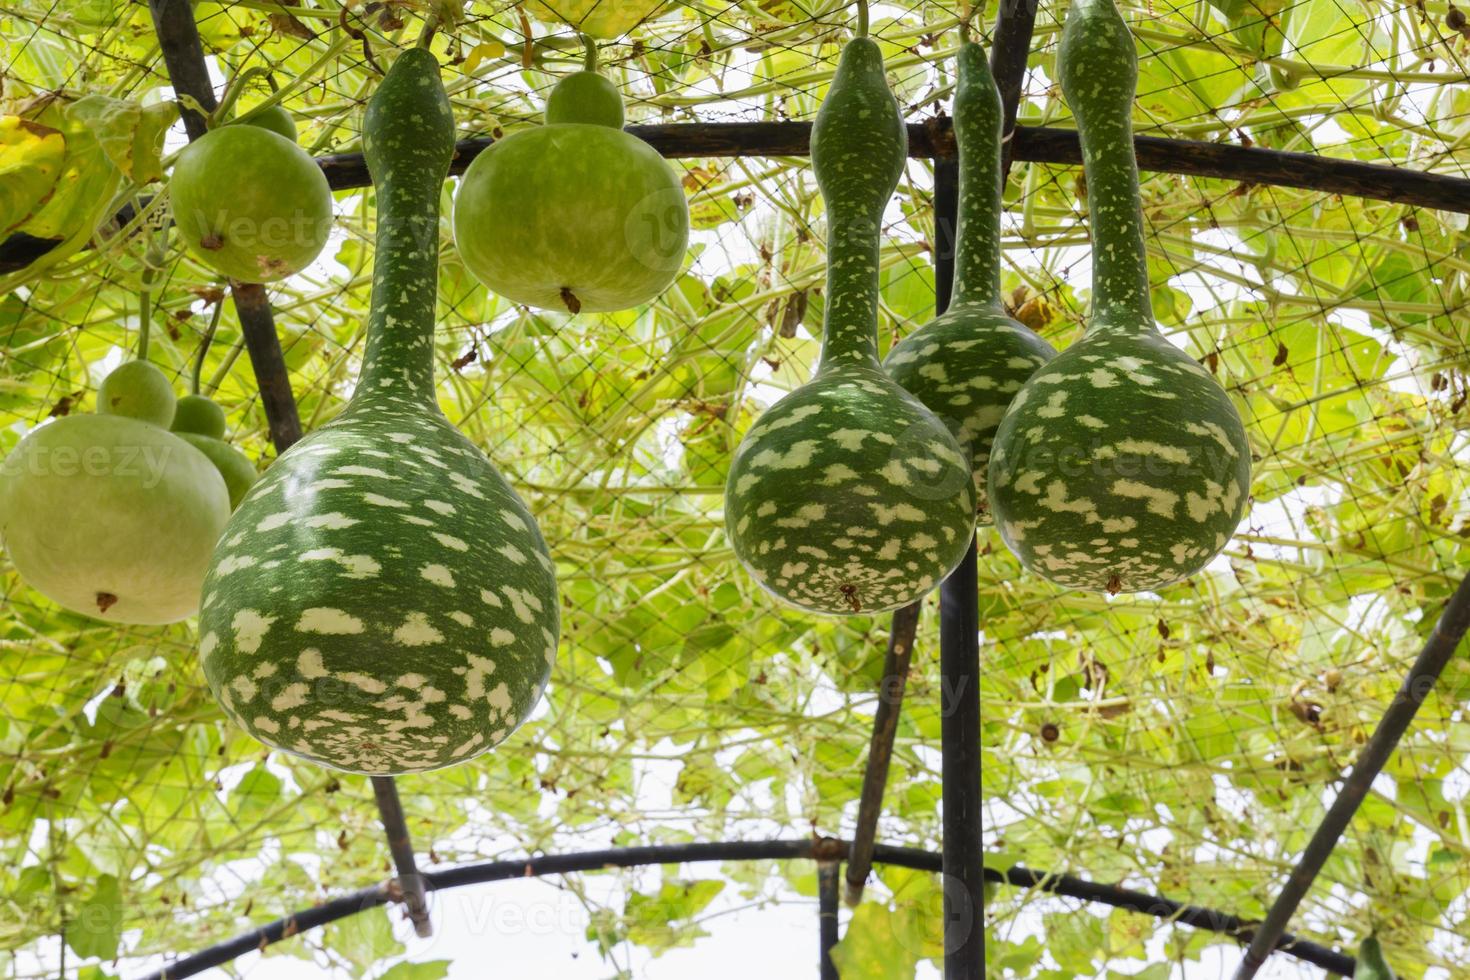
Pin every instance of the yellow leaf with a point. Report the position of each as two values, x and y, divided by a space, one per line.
488 51
130 134
606 19
31 156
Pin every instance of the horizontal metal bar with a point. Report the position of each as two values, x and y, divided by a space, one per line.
820 849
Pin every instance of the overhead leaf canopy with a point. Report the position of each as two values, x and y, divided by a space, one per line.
1184 743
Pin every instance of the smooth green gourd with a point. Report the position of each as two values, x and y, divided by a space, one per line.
1121 465
137 390
250 203
382 602
198 414
111 515
274 118
576 215
968 363
848 495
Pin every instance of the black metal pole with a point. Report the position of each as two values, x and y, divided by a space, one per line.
904 625
806 848
959 670
1010 49
390 809
827 917
1422 676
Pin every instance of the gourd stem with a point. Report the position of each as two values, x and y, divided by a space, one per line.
1099 75
408 142
850 315
977 128
589 57
426 35
145 314
233 92
862 18
204 344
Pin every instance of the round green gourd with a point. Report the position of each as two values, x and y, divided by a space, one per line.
111 516
250 204
968 363
848 495
198 414
234 466
1121 465
274 118
575 215
586 96
137 390
382 602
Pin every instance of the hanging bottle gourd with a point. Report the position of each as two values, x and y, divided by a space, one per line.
1121 465
848 495
111 515
249 202
968 363
576 215
382 602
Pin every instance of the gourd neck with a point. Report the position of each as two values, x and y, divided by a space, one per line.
858 149
977 132
408 141
1099 74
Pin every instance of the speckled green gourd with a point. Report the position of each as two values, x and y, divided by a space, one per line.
968 363
848 495
1121 465
382 602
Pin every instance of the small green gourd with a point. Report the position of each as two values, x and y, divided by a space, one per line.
137 390
577 215
274 118
200 415
111 515
1121 465
201 423
382 602
848 495
968 363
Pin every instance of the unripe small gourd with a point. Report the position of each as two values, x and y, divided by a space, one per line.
274 118
382 602
1121 465
201 423
250 203
198 414
110 515
575 215
968 363
137 390
848 495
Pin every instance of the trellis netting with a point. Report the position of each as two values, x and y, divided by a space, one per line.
1184 743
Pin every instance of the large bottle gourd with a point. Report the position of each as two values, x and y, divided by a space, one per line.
848 495
382 602
1121 465
968 363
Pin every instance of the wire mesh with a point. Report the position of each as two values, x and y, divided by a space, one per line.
1184 742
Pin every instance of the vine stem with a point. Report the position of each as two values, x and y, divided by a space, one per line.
862 18
204 343
589 47
232 93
